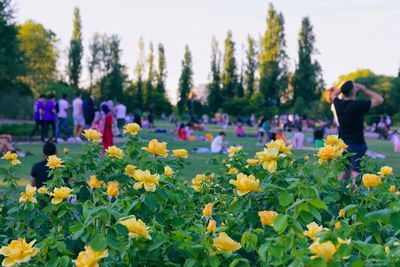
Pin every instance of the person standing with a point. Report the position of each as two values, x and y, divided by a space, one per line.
120 114
150 116
89 112
107 123
50 117
38 114
62 117
350 112
77 113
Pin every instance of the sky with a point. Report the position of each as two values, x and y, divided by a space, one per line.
350 34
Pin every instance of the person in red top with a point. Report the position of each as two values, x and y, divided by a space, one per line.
182 132
107 129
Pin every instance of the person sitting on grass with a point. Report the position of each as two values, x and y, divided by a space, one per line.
239 130
218 144
40 172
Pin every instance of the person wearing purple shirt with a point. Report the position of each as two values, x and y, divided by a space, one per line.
50 117
38 116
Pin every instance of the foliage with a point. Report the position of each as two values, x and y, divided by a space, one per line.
284 216
214 87
185 81
251 67
75 51
229 79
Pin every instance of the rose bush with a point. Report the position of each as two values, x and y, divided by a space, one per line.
132 207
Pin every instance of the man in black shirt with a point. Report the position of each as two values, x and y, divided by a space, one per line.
40 172
349 113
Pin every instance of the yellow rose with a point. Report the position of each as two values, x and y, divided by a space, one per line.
59 194
387 250
325 250
43 190
252 162
233 171
131 128
180 153
392 189
371 180
329 152
66 151
157 148
334 140
212 226
146 179
233 150
385 170
306 157
113 189
53 162
136 228
18 251
12 157
208 210
281 146
267 217
226 244
92 135
168 171
89 257
245 184
94 182
269 158
28 195
200 180
130 170
337 225
114 152
342 213
313 230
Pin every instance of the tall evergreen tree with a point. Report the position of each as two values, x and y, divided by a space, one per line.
214 86
150 77
273 59
307 81
139 72
229 71
185 81
161 74
240 85
251 67
75 51
93 60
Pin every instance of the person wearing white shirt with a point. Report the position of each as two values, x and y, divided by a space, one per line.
218 144
62 115
77 113
120 114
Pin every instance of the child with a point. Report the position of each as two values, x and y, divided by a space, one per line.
239 130
396 141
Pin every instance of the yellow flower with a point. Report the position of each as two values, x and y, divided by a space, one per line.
157 148
233 150
212 226
252 162
226 244
387 250
342 213
246 184
92 135
131 128
208 210
201 179
267 217
313 230
233 170
337 225
168 171
90 257
113 189
136 228
66 151
371 180
281 146
392 189
43 190
180 153
385 170
94 182
54 162
114 152
28 195
269 158
334 140
329 152
344 241
18 251
325 250
146 179
130 170
59 194
306 157
12 157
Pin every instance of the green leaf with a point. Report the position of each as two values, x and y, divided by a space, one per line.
285 198
213 261
241 260
280 223
378 215
150 201
77 230
98 243
156 245
249 241
190 262
318 203
63 261
262 252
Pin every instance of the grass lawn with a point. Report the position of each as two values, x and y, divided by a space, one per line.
198 163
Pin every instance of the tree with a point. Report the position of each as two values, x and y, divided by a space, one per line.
307 80
113 89
214 86
150 77
185 81
251 67
75 51
240 86
11 61
273 59
38 47
139 72
161 74
229 75
94 57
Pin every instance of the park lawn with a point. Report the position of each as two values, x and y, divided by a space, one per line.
198 163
